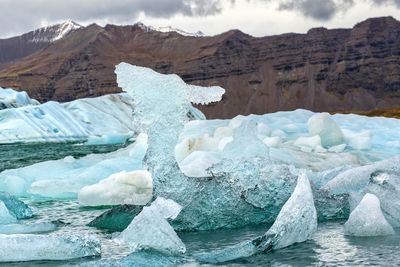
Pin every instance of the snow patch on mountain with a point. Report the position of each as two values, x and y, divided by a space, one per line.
169 29
53 33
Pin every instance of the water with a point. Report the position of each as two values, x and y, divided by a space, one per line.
329 246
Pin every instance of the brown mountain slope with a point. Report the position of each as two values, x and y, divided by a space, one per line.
323 70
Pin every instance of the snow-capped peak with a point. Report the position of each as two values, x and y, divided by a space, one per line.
53 33
169 29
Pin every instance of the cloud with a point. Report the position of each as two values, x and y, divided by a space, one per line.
22 15
317 9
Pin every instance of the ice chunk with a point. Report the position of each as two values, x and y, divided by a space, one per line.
337 149
27 228
65 178
16 207
272 141
356 179
135 188
151 230
322 124
5 215
296 222
110 139
367 219
117 218
197 163
105 119
308 144
358 140
27 247
10 98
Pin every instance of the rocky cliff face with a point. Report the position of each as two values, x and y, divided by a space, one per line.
323 70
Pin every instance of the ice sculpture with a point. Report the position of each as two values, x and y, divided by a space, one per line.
135 188
296 222
10 98
367 219
151 230
27 247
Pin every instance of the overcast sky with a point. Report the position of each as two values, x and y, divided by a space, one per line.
256 17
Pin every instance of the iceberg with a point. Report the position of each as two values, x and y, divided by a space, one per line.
135 188
100 120
150 229
10 98
64 178
367 219
30 247
296 222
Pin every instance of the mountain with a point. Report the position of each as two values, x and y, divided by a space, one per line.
334 70
15 48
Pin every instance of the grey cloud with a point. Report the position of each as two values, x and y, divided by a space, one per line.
17 15
317 9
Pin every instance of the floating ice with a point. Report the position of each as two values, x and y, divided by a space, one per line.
64 178
322 124
150 229
308 144
5 215
135 188
367 219
356 179
27 247
10 98
296 222
16 207
30 228
117 218
105 119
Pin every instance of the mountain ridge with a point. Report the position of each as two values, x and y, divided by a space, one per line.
321 70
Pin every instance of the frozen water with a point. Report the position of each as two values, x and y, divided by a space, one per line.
150 229
27 247
367 219
10 98
104 119
322 124
135 188
296 222
5 215
65 177
16 207
30 228
356 179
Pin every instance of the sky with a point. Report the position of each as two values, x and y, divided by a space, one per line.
255 17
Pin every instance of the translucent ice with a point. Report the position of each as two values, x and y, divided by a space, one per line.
135 188
65 177
322 124
356 179
22 228
150 229
104 119
10 98
296 222
5 215
16 207
27 247
367 219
